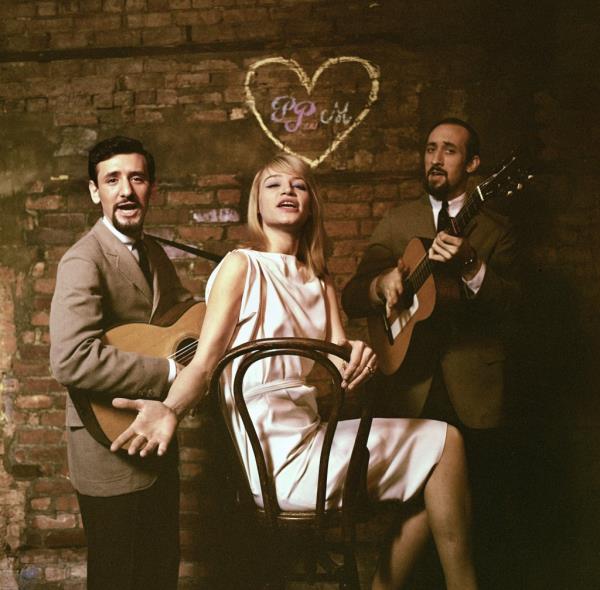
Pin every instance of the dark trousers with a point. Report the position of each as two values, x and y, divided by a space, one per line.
133 539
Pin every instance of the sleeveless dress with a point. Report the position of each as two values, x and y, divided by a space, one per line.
279 300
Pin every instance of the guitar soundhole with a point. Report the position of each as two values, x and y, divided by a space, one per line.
185 350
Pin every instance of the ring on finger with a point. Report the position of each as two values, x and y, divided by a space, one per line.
371 370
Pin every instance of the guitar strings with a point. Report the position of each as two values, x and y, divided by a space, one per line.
184 354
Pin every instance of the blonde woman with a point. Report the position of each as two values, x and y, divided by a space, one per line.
280 287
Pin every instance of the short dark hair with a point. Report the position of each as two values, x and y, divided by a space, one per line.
113 146
473 147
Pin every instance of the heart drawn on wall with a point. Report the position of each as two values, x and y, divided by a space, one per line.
309 85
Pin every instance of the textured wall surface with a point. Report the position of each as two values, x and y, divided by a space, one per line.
174 73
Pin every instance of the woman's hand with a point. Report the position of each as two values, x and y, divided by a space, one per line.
152 429
362 364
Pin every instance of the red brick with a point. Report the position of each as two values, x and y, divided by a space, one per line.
66 503
33 402
349 247
237 233
51 25
217 180
113 5
70 40
190 198
201 233
65 538
341 264
40 319
53 418
74 119
163 36
55 486
27 367
336 229
345 194
166 216
381 208
367 227
118 38
229 196
34 384
347 210
61 521
45 203
40 503
157 19
40 437
135 5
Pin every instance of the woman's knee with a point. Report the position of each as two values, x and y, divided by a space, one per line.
454 444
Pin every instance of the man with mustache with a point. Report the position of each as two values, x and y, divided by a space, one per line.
116 275
454 368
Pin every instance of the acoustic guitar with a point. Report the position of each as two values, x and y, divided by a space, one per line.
175 336
391 331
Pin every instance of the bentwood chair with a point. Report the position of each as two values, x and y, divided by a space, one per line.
291 535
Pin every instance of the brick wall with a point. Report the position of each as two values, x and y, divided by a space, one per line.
172 72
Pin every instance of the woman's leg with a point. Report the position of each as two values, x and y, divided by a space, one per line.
447 515
396 566
448 505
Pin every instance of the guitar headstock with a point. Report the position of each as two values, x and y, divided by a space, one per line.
511 176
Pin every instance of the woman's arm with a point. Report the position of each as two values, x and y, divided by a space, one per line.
156 422
363 361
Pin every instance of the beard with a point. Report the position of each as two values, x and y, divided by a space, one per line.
130 227
433 186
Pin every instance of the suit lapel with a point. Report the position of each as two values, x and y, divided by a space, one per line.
122 259
423 223
154 264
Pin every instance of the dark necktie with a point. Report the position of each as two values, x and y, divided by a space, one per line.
143 260
443 221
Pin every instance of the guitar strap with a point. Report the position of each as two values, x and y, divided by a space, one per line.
191 249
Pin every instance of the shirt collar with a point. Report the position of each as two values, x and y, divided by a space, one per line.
454 206
127 240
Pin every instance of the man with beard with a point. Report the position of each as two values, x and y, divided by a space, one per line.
115 275
454 368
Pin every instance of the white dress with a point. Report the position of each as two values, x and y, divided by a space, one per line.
278 301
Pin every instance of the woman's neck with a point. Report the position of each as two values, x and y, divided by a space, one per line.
282 243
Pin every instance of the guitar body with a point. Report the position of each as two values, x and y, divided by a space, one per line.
391 344
175 337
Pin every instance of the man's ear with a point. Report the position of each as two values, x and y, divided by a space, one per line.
94 192
473 164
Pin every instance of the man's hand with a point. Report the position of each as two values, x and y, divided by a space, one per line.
389 285
152 429
446 248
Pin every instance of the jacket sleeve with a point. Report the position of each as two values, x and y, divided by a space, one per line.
78 357
500 290
378 256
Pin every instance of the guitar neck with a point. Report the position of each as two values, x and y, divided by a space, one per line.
424 269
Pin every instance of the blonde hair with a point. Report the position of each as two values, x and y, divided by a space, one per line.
311 249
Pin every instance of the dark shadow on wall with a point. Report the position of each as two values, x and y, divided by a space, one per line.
552 361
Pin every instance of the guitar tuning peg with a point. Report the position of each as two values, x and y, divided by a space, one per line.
509 194
519 186
530 177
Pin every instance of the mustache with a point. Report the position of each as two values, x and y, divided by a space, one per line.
437 169
128 200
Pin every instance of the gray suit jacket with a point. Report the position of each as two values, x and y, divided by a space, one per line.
468 342
99 284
